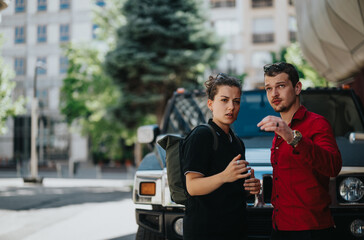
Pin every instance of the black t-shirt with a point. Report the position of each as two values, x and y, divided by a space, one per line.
221 212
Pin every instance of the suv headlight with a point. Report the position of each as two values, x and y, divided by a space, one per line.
357 228
178 226
351 189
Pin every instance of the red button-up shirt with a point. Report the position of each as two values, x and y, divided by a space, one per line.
301 175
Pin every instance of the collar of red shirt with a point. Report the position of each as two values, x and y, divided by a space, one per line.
299 114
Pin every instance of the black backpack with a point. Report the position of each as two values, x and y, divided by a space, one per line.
173 146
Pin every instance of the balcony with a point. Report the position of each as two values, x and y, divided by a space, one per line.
222 3
262 3
263 37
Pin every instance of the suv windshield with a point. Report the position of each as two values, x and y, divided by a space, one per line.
254 107
336 106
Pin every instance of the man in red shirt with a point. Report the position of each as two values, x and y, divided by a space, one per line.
304 156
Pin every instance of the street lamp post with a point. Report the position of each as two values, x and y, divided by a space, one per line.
34 130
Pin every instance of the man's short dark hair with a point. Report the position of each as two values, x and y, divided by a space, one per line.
274 69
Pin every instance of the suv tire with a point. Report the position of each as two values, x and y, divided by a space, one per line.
144 234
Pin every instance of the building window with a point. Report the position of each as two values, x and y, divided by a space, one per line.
63 65
19 6
19 35
42 5
262 3
292 29
64 33
226 27
263 30
64 4
19 66
100 3
40 70
42 33
94 30
222 3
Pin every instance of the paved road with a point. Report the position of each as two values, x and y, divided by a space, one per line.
67 209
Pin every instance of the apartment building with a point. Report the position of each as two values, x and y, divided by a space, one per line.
34 31
252 29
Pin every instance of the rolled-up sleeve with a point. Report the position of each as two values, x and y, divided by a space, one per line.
320 151
197 151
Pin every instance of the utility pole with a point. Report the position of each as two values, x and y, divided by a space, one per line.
34 178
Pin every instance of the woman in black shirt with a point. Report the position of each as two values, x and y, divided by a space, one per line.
216 203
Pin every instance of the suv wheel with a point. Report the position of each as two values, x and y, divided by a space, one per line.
144 234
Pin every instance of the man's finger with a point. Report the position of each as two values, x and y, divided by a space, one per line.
269 119
263 121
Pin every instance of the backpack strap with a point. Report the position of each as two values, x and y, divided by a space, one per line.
216 140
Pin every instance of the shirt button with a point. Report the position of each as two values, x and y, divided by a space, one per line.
277 147
279 137
276 179
277 196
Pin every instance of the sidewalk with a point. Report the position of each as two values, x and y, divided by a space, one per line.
82 171
65 208
124 184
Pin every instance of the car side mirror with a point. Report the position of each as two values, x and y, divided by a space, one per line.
356 137
147 133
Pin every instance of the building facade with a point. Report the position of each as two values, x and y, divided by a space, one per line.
35 30
252 29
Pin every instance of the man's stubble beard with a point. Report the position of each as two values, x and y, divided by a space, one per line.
280 109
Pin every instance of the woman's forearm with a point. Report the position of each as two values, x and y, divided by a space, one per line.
197 184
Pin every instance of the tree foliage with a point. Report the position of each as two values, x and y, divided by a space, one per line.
308 76
164 45
9 107
88 94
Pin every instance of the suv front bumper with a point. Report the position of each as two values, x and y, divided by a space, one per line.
160 222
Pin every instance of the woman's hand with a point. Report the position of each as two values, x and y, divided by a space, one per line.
252 184
235 170
197 184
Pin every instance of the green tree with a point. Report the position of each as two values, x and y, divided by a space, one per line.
164 45
88 94
9 107
308 76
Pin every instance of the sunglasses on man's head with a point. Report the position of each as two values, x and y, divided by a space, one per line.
222 75
279 66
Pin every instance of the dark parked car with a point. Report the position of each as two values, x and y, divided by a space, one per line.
160 218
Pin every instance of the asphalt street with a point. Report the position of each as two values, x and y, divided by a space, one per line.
67 208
